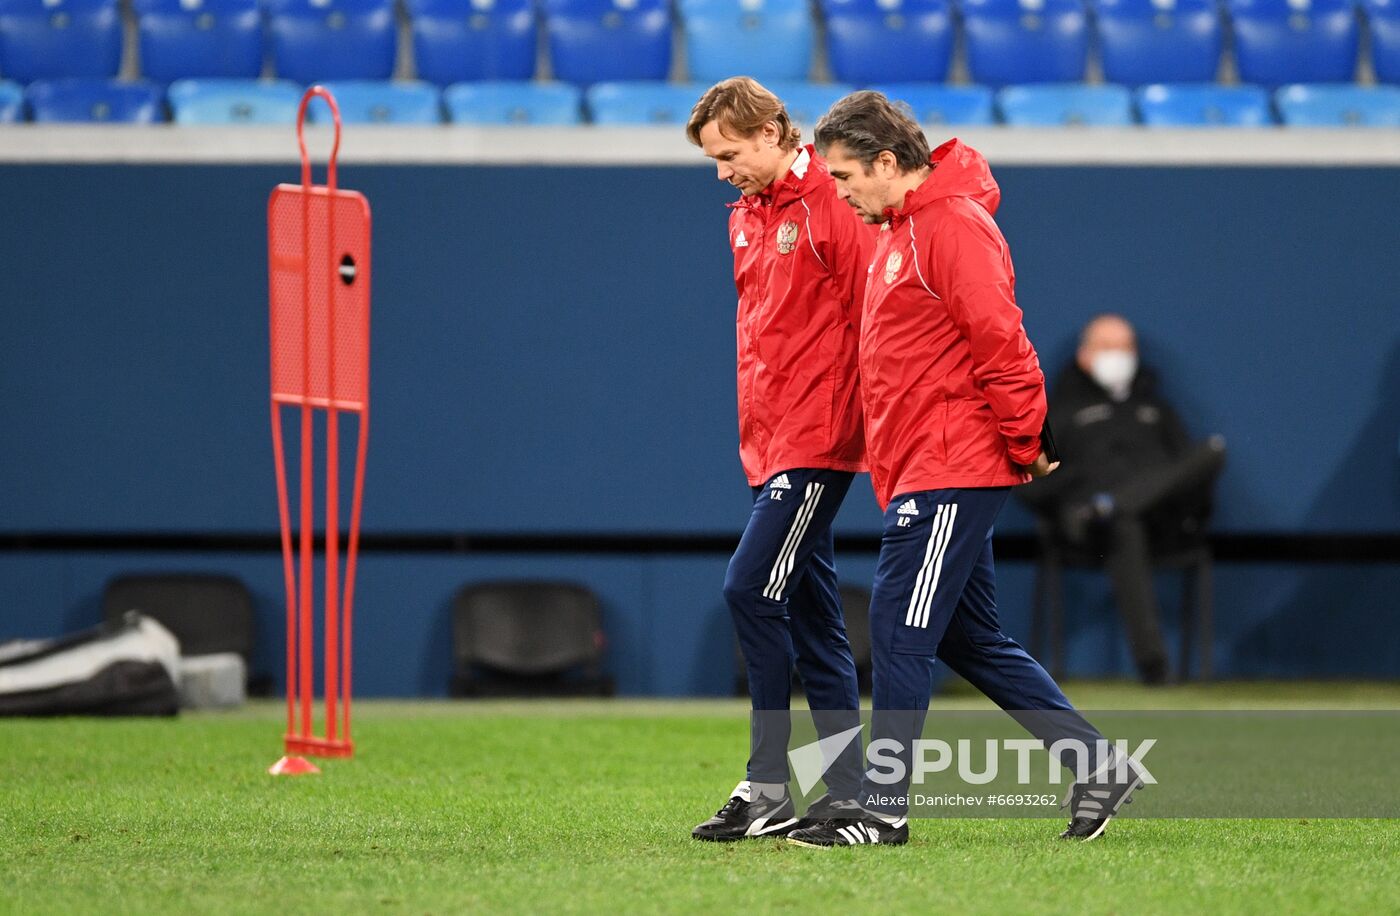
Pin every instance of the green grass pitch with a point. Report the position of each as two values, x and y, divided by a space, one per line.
586 806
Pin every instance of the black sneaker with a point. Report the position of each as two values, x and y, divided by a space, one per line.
826 808
741 818
1093 804
864 829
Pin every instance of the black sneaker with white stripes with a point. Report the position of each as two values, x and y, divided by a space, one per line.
1093 804
823 808
743 816
864 829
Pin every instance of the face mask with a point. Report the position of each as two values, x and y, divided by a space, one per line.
1115 370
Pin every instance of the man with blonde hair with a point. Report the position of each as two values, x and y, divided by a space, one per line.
800 259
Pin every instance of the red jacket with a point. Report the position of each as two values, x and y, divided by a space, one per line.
799 265
953 392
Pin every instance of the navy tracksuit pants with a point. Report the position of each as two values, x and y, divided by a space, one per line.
935 598
783 595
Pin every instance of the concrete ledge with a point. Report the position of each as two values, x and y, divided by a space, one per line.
631 146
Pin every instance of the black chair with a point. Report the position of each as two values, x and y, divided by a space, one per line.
524 638
207 613
856 603
1189 552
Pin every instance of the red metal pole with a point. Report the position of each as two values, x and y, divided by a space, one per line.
332 445
304 681
287 563
353 552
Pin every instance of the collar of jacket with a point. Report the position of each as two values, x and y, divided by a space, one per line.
791 185
957 170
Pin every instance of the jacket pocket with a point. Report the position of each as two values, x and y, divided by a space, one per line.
912 640
943 417
971 431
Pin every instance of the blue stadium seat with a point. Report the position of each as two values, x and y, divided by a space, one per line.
513 103
765 39
455 40
95 100
1294 41
1159 41
892 41
1075 104
317 40
593 41
381 102
1203 104
220 101
1339 106
934 103
806 102
1383 17
199 38
1026 41
11 102
59 39
642 102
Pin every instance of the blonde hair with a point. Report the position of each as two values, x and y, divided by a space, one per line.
741 106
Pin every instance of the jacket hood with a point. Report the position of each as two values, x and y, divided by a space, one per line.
958 171
790 185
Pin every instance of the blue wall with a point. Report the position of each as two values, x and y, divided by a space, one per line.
553 348
553 352
669 632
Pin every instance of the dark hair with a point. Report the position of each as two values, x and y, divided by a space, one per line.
866 124
741 106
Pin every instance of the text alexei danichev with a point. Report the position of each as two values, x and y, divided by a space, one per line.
901 802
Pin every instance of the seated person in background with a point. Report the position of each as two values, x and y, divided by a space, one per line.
1131 479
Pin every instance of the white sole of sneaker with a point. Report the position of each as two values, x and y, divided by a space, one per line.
1099 832
760 827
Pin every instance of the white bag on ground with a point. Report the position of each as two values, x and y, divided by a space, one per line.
126 667
218 680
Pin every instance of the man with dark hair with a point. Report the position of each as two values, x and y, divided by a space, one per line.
799 268
1133 478
954 405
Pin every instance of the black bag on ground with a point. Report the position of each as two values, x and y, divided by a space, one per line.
124 667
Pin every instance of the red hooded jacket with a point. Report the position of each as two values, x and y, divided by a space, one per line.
799 267
953 392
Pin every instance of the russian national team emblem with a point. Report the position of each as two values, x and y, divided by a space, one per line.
892 265
787 237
